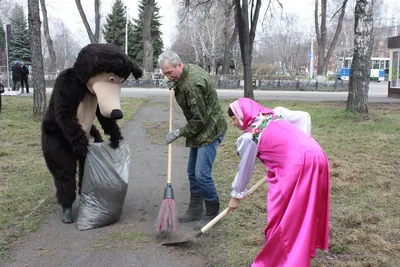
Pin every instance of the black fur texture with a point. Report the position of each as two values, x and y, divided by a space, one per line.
64 142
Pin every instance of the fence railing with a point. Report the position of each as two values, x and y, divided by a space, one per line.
276 84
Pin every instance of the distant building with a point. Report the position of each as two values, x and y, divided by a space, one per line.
394 68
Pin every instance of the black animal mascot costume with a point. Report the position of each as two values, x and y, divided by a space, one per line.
91 88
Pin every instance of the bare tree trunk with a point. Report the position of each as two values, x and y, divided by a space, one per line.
147 39
336 36
228 51
360 67
196 52
229 38
97 20
321 34
94 38
246 39
49 41
39 86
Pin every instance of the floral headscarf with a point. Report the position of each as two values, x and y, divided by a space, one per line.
246 110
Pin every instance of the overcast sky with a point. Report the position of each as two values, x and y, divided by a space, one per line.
67 11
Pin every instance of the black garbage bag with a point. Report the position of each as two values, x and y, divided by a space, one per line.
104 185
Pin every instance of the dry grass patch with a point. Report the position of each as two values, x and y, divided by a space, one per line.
26 186
364 160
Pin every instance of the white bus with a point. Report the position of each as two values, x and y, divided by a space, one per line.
379 68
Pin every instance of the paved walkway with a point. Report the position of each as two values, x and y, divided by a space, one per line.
124 243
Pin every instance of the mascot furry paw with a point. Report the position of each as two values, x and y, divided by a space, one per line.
91 88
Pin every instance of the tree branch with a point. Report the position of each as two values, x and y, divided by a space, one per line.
85 21
342 7
254 22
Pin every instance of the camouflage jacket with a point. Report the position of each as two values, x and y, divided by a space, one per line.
196 95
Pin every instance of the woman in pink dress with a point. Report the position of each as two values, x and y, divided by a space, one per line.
298 184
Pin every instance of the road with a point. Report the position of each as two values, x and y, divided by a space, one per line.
377 93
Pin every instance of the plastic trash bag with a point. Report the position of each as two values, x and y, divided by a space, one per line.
104 185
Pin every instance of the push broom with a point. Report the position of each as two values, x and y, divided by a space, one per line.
190 238
167 217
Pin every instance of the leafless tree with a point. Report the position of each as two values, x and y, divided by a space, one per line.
283 43
246 20
230 37
247 32
39 92
204 32
147 39
49 41
93 37
66 46
360 68
325 51
209 35
382 26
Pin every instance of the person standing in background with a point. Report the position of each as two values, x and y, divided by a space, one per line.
16 75
24 77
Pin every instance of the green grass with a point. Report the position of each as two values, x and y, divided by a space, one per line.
365 196
364 160
25 182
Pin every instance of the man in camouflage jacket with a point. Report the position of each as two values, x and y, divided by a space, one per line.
206 127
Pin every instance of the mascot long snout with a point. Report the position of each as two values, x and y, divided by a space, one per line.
108 98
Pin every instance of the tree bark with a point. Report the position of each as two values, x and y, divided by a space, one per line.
39 86
49 41
94 38
228 52
97 20
229 42
360 67
147 39
246 39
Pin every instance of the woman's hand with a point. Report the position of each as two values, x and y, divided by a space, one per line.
233 205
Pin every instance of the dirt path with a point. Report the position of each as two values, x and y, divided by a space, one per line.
131 241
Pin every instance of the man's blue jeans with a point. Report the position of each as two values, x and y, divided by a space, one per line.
200 169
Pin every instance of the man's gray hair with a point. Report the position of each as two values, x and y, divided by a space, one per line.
169 56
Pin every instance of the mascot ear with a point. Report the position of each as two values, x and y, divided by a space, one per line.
136 70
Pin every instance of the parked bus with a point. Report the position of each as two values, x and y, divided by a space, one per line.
379 68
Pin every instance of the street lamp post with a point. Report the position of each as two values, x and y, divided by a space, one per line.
311 59
8 30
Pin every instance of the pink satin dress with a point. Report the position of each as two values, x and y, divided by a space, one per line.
298 185
298 196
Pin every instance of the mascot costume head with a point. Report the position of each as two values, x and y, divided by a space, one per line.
90 89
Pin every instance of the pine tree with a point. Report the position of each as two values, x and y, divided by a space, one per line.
135 44
19 41
114 29
2 37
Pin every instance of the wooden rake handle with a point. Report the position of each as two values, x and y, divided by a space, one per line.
171 102
225 211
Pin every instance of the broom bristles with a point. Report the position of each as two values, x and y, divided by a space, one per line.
167 217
